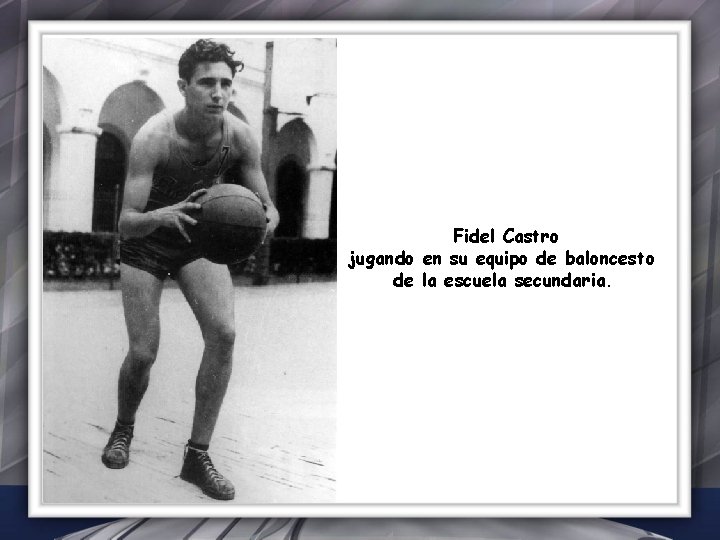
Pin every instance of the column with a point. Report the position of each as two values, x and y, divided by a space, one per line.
70 197
316 222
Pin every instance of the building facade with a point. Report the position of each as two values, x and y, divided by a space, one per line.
99 90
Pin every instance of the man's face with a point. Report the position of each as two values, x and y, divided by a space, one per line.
209 90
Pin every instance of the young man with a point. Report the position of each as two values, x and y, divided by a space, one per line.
173 159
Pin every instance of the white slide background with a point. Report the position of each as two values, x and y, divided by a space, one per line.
508 395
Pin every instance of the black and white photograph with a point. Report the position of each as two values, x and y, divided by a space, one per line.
212 347
189 269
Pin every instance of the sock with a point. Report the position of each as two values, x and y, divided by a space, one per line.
196 446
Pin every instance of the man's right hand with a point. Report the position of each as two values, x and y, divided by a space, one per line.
177 216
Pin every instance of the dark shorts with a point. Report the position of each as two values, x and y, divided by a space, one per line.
161 259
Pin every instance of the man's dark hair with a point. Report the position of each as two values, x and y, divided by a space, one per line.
207 50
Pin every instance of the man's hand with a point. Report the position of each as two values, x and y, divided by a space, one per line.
273 219
176 215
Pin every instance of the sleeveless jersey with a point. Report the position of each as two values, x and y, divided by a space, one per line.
174 180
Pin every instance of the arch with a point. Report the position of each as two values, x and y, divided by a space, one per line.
297 138
294 149
53 106
110 166
53 102
123 113
291 187
127 108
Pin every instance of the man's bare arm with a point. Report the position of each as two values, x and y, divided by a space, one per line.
147 150
249 174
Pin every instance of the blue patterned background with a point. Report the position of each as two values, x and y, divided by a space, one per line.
14 14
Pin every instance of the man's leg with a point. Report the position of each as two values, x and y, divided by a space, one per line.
209 291
141 300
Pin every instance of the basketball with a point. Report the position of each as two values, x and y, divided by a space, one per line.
231 223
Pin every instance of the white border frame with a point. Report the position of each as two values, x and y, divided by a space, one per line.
337 29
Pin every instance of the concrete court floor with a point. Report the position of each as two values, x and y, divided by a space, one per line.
275 438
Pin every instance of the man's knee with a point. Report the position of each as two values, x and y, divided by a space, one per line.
220 336
142 356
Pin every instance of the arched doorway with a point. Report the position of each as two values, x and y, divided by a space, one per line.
294 149
53 104
128 107
110 163
124 112
291 184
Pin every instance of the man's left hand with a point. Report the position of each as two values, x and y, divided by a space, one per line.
273 218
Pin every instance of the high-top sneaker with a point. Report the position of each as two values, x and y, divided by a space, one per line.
116 453
198 469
